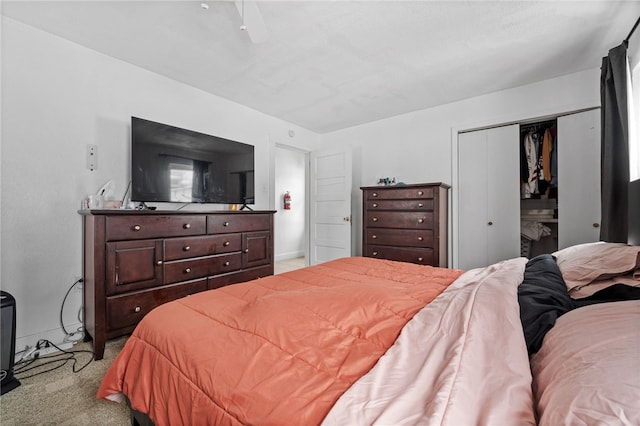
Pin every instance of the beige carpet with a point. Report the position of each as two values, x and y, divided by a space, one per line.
62 397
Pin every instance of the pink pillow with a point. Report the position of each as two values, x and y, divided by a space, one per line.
584 264
586 372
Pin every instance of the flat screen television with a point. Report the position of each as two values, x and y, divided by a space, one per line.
170 164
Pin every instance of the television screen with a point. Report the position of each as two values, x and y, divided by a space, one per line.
170 164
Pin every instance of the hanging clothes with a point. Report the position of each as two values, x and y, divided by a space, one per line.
530 187
547 147
554 158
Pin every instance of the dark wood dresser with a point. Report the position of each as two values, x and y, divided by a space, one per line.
406 223
137 260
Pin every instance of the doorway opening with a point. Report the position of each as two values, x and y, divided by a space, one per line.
290 221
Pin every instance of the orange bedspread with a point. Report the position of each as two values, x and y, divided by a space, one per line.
278 350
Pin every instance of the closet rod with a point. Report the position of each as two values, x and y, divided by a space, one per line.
626 40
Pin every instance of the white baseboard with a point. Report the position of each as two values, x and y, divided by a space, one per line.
288 256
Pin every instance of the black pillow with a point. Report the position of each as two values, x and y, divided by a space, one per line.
543 297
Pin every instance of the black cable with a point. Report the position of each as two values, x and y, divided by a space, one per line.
67 356
79 280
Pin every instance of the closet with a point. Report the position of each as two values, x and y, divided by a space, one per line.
538 188
491 201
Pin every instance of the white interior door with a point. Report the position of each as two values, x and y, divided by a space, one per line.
473 190
330 205
503 166
579 178
488 196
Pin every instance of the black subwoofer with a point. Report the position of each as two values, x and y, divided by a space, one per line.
8 341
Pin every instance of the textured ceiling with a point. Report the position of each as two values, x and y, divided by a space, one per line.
327 65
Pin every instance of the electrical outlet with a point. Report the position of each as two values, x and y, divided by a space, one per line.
92 157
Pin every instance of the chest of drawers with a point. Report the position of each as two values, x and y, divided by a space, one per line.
406 223
137 260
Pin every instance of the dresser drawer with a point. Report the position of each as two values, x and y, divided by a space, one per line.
127 310
182 270
225 223
402 254
405 238
403 220
141 227
374 205
399 193
181 248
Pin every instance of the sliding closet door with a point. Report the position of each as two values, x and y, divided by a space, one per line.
578 178
488 196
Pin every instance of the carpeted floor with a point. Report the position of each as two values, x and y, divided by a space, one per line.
62 397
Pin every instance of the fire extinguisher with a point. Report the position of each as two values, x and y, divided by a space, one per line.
287 201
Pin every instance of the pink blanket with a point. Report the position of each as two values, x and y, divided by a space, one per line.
461 360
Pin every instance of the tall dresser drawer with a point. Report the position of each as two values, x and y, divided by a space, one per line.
189 269
127 310
399 193
421 256
181 248
224 223
138 228
410 220
406 238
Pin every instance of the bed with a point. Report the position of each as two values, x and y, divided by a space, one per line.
358 341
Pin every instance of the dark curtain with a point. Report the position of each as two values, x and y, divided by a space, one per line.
615 146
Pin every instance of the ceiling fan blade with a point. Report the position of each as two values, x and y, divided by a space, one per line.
252 21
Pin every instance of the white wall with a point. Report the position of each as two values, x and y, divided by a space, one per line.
290 224
57 97
419 147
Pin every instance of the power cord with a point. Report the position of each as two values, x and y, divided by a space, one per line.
61 359
69 337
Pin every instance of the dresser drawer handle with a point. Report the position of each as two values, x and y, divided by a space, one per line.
246 250
186 226
375 204
420 238
420 193
137 309
187 270
227 263
375 253
375 194
420 220
420 205
186 248
226 243
225 224
375 219
159 262
374 236
420 259
136 228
